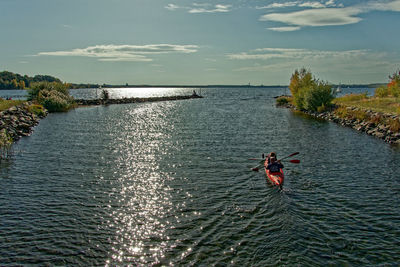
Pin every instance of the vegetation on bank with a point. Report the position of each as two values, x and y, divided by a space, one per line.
53 96
6 104
306 91
386 98
9 80
310 93
6 139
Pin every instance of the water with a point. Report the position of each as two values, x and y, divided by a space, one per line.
169 183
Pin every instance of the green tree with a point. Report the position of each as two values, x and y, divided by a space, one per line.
53 96
309 93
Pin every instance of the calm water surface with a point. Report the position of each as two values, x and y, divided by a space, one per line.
169 183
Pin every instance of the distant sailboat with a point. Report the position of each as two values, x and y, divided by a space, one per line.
338 89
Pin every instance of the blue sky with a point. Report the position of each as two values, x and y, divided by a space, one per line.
200 42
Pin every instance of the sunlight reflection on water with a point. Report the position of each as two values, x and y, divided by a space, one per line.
144 200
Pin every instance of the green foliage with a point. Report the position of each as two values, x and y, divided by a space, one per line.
52 95
37 109
351 98
9 80
381 91
392 88
5 144
282 100
6 104
309 93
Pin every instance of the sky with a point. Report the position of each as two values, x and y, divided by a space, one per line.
181 42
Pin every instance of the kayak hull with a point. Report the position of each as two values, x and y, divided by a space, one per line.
276 178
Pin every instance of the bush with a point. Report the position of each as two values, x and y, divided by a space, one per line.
381 91
392 88
5 144
309 93
317 96
282 100
53 96
37 110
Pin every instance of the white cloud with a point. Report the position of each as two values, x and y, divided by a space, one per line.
312 5
285 29
295 54
316 17
136 53
325 14
214 9
331 65
385 6
172 7
280 5
308 4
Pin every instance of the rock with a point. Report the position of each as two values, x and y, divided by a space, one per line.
17 121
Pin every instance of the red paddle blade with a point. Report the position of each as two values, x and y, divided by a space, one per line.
294 154
255 169
295 161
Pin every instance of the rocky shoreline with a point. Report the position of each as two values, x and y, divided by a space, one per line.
18 121
378 130
91 102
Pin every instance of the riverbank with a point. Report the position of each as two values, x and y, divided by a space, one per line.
381 125
18 121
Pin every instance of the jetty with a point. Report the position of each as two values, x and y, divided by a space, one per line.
93 102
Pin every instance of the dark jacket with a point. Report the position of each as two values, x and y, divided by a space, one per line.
275 167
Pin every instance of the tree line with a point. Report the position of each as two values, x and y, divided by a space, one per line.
9 80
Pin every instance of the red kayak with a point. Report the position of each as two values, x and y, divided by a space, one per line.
276 178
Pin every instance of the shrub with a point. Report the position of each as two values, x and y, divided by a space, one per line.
309 93
381 91
53 96
5 144
37 109
392 88
105 95
282 100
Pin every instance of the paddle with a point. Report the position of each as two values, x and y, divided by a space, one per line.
295 161
291 155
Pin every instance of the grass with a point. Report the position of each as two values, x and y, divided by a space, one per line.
378 104
6 104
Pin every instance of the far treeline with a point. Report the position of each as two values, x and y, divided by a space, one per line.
11 81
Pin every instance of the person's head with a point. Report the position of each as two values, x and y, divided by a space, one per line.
273 159
272 155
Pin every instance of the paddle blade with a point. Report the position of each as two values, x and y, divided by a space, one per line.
295 161
294 154
255 169
255 159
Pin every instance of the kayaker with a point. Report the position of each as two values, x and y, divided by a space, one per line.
271 155
274 165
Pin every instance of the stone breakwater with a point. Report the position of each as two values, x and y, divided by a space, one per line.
90 102
378 130
18 121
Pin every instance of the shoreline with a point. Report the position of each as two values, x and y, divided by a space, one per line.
378 130
96 102
18 121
